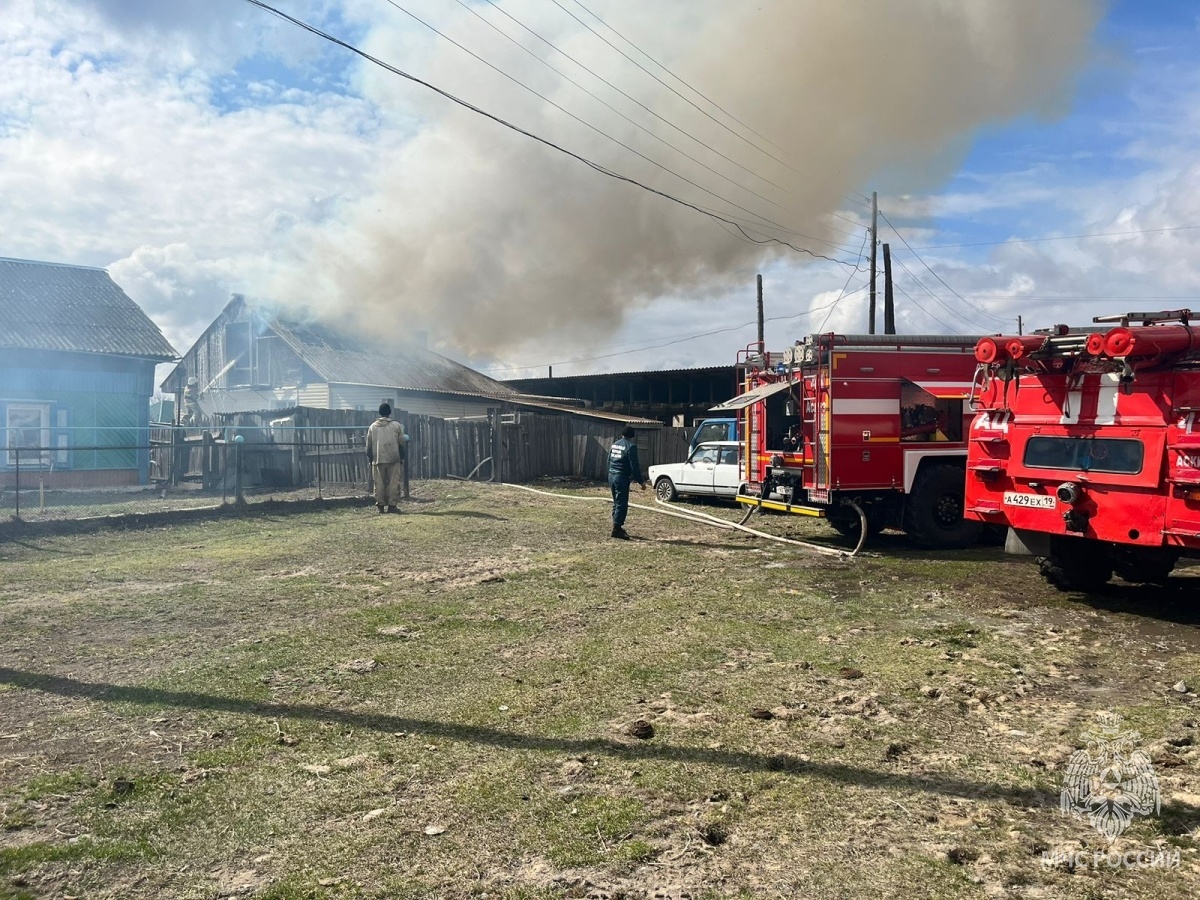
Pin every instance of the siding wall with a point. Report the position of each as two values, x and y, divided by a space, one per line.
94 401
368 398
313 395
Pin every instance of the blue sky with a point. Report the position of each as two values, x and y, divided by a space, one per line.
197 149
1147 46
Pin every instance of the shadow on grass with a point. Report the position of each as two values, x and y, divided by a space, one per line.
694 544
461 513
29 546
1174 602
510 740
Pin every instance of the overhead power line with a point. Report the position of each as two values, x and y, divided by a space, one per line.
695 90
842 293
680 340
949 309
581 121
686 100
627 96
1064 237
949 328
660 66
469 8
967 302
312 29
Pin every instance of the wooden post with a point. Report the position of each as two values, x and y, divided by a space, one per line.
178 456
207 463
237 474
889 305
494 420
874 238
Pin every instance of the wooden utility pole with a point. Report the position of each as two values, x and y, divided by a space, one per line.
889 305
762 344
874 238
1020 326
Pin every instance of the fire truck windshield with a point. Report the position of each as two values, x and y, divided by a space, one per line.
1085 454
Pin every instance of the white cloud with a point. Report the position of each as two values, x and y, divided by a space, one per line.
167 142
117 163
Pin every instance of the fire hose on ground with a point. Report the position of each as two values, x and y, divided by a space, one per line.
701 518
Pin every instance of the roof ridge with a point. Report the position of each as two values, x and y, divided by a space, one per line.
60 265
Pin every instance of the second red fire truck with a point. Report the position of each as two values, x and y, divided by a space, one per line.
1087 447
877 423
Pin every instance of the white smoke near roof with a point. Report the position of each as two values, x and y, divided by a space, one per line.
488 239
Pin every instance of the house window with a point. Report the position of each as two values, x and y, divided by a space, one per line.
237 354
27 427
264 363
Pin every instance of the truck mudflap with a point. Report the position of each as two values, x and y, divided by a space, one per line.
1020 542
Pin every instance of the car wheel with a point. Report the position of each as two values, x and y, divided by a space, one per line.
664 490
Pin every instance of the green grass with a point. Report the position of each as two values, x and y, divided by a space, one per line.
262 687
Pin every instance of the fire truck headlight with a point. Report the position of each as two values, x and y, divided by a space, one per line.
1068 492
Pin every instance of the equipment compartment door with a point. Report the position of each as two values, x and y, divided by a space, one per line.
823 429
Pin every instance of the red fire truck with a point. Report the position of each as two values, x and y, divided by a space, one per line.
1086 445
878 423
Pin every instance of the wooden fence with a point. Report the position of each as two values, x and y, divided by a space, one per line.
312 446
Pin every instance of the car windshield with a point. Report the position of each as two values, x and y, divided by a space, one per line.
713 431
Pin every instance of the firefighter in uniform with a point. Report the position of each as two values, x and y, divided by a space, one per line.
623 470
386 451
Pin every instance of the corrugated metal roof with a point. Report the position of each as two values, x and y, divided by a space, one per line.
50 306
523 402
342 360
698 370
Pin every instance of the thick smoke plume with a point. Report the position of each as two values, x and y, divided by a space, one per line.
490 241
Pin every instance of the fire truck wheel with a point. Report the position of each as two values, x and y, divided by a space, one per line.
664 490
1149 566
1076 565
933 512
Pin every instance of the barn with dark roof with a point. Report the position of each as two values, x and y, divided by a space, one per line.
77 360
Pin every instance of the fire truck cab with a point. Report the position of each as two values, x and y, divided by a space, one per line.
840 424
1086 446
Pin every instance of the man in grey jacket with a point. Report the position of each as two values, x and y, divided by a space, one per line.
386 451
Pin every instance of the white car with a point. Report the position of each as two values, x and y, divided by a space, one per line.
712 470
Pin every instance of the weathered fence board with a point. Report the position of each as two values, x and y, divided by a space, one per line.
328 446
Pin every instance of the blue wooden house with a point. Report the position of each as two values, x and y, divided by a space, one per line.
77 360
